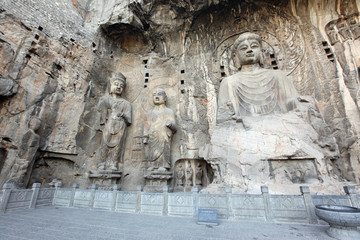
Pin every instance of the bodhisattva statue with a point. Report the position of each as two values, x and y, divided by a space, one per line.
115 117
159 128
254 90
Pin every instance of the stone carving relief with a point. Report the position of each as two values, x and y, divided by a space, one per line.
26 155
343 29
192 172
159 128
7 87
343 34
259 116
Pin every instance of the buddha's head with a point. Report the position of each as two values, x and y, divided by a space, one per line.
159 96
34 123
117 84
248 48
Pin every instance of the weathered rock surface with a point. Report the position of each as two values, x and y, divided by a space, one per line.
61 53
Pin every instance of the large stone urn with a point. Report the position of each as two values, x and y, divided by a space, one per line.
343 221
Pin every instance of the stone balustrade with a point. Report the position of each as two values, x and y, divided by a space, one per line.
15 199
260 207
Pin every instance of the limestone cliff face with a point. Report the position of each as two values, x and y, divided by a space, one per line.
60 54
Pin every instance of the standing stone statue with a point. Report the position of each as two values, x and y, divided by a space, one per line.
115 117
159 128
198 175
189 175
254 90
180 175
27 151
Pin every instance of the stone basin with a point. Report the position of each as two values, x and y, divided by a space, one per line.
343 220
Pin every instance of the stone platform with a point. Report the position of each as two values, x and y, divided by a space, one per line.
60 223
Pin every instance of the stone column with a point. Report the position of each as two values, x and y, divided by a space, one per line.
195 193
35 194
228 191
116 188
57 188
74 187
139 188
166 200
6 195
351 192
267 205
94 187
309 205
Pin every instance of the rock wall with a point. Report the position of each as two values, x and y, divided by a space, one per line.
61 54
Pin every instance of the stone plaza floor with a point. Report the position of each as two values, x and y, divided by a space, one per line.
58 223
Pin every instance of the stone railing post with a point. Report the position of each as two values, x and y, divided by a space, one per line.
351 192
166 200
228 191
6 195
116 188
72 196
309 204
195 195
139 189
57 188
267 205
94 187
35 194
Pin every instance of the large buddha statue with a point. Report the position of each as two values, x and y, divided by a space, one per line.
254 90
265 132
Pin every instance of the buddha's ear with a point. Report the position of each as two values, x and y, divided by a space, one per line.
262 58
236 61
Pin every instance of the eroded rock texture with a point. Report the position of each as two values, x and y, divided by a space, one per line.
61 53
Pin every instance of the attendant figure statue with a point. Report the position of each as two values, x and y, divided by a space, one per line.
115 117
159 128
254 90
180 175
199 174
189 175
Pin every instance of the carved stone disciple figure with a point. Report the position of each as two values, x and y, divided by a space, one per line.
253 90
115 117
27 151
199 174
180 175
159 128
189 175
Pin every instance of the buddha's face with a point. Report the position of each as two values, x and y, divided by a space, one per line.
249 52
117 87
159 97
34 124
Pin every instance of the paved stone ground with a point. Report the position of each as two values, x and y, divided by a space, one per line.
57 223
